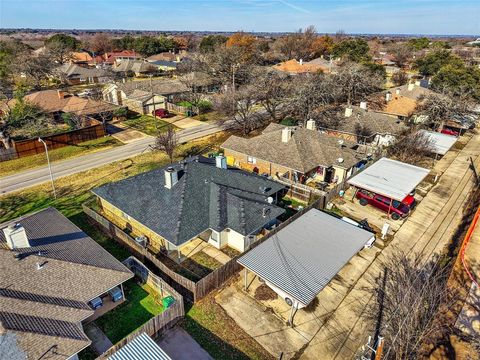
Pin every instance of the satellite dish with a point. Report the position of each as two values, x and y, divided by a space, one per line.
270 200
340 160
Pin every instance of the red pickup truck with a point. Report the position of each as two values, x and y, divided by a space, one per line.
396 208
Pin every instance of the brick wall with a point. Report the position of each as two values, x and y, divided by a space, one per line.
241 160
137 229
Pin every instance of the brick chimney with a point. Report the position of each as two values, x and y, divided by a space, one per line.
286 134
171 177
348 111
61 94
363 105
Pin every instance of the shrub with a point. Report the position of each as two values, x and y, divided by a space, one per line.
204 106
288 121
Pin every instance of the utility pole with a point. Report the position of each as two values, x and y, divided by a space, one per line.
49 167
154 108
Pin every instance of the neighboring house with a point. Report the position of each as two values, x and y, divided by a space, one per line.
299 154
360 125
401 101
135 67
80 57
116 57
326 66
303 257
117 93
294 67
56 101
196 198
200 82
165 65
51 270
167 56
144 102
75 74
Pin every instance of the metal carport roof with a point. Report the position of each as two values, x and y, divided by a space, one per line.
390 178
306 254
140 348
441 143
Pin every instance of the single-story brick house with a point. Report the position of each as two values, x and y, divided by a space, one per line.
299 154
197 198
52 274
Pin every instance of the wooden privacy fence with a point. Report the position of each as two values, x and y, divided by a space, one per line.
161 322
180 109
29 147
191 290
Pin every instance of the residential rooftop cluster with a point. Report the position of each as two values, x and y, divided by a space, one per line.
214 197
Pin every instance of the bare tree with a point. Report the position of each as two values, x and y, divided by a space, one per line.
411 148
400 78
401 52
167 141
240 106
37 69
100 43
273 92
354 82
439 108
410 294
297 45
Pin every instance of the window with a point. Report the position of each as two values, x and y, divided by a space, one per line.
251 160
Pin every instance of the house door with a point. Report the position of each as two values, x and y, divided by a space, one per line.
329 174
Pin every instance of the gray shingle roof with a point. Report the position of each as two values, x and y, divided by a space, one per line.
304 256
378 123
306 150
204 197
157 86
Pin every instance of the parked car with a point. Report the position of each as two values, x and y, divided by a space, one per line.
161 113
116 294
447 131
396 208
96 303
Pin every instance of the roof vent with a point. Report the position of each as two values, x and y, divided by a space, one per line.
411 86
311 124
388 96
265 211
171 177
16 236
286 134
397 91
221 162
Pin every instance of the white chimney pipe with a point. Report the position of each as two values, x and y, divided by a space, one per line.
311 124
388 96
221 162
348 112
363 105
301 61
16 237
286 134
397 91
171 177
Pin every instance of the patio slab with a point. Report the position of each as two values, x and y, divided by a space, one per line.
100 341
178 344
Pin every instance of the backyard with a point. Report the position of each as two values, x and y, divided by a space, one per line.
146 124
206 321
67 152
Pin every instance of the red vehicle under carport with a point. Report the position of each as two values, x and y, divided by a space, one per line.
389 185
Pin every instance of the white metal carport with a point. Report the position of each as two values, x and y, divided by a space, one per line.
440 143
390 178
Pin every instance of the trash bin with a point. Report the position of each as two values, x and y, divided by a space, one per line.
168 301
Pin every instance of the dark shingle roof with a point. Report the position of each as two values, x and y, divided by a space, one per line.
378 123
204 197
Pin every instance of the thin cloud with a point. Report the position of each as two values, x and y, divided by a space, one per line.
295 7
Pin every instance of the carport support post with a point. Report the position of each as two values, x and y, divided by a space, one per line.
390 206
123 294
246 279
293 310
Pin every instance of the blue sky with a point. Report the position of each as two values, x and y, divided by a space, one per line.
352 16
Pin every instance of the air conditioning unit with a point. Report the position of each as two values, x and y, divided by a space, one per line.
141 240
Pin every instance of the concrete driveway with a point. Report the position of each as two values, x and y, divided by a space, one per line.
266 321
179 345
183 122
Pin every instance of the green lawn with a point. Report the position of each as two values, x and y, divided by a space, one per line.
219 334
67 152
146 124
139 307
